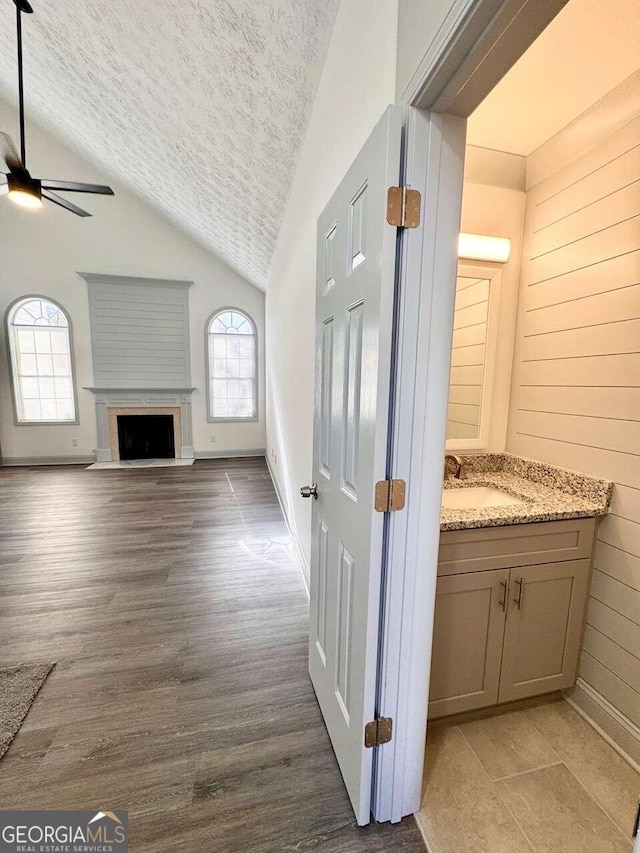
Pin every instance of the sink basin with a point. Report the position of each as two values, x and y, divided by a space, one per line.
477 497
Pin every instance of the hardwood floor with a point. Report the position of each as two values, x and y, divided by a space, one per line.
170 600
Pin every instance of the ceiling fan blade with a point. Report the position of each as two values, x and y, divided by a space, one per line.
56 199
72 186
9 153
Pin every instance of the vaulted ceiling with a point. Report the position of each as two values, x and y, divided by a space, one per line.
198 106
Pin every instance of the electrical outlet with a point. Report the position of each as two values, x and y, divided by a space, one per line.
74 442
212 439
274 455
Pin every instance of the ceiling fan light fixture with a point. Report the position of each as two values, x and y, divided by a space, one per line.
25 199
24 191
21 188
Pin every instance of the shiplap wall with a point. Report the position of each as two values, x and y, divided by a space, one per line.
139 332
467 357
576 389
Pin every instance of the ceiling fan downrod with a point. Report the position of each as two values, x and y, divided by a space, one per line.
21 6
22 188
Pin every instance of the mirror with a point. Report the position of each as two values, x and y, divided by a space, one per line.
468 376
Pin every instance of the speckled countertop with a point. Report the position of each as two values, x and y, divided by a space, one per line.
547 493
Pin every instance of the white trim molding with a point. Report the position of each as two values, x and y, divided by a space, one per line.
256 376
228 454
150 398
474 47
14 461
436 50
434 163
619 732
298 553
11 355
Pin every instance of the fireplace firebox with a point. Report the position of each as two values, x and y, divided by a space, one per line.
146 437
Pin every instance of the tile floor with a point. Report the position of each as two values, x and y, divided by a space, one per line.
540 780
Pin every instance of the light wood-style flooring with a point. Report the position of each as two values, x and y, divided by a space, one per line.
539 780
170 600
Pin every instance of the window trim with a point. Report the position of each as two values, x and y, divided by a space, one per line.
8 328
207 325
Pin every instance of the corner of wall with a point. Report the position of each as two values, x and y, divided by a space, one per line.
356 85
298 552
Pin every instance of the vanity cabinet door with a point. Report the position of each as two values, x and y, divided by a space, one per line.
467 641
543 628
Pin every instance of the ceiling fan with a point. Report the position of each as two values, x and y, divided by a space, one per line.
18 184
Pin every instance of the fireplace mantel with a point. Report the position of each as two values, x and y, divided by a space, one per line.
142 398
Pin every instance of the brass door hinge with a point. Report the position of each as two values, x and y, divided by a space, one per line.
389 495
378 732
403 207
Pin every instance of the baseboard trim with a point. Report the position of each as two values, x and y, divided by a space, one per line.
298 553
13 461
619 732
227 454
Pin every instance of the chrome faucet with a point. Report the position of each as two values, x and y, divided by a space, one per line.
457 473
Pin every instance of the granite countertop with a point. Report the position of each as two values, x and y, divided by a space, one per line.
548 493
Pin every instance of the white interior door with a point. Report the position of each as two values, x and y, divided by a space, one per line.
356 252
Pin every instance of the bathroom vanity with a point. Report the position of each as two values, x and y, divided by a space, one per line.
513 577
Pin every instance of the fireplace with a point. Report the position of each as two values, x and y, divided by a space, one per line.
146 437
139 432
111 403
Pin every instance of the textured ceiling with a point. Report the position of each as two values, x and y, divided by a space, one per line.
199 106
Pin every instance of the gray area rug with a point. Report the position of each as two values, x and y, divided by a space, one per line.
19 686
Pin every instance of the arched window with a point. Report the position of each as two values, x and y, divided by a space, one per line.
232 366
42 372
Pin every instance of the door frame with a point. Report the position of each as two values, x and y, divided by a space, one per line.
434 162
476 45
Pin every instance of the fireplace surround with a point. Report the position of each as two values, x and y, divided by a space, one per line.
111 402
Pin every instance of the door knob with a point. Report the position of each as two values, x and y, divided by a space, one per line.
308 491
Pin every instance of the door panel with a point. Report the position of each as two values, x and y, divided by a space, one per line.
351 411
544 627
321 597
326 384
356 253
467 641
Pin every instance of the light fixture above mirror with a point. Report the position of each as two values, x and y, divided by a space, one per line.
480 247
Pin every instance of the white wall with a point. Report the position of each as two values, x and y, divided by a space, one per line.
41 252
576 390
357 84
